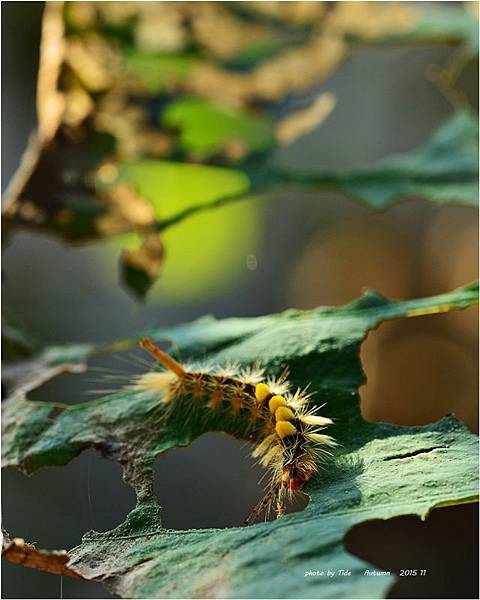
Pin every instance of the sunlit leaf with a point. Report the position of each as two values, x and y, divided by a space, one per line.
207 128
379 471
206 253
177 188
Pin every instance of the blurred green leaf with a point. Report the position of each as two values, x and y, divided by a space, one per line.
411 23
380 470
141 265
444 170
207 252
253 54
440 22
176 189
136 279
208 128
159 71
122 67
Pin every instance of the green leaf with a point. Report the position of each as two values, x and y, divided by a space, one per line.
416 24
206 253
380 470
252 55
159 71
176 189
443 170
440 23
208 128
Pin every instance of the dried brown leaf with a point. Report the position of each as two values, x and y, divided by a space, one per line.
370 20
160 27
78 106
53 561
299 69
50 104
295 13
301 122
220 32
129 125
148 257
95 62
219 85
293 71
125 209
50 101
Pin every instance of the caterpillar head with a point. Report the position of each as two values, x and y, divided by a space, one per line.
294 477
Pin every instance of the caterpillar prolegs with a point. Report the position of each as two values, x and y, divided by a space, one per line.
290 443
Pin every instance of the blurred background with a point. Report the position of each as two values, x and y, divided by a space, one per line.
297 249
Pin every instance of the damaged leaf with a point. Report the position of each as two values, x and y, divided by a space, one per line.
176 189
379 471
199 255
55 562
444 170
22 376
141 266
146 82
435 23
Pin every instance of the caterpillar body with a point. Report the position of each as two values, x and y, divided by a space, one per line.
290 443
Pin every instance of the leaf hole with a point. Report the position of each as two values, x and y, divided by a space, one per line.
419 370
212 483
445 545
54 507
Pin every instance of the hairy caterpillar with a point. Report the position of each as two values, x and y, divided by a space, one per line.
290 443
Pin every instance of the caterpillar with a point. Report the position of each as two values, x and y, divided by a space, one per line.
289 444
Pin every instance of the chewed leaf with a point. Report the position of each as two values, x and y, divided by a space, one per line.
444 170
204 255
175 189
141 266
379 470
55 561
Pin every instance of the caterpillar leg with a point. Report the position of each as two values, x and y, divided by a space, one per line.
280 506
263 505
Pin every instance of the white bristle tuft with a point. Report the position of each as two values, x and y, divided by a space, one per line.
319 438
309 419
